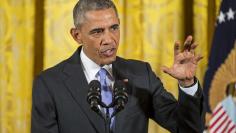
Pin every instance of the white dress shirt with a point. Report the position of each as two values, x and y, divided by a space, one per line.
90 69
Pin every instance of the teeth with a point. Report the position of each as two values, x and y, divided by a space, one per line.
108 52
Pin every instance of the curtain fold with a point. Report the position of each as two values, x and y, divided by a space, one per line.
200 21
58 21
16 64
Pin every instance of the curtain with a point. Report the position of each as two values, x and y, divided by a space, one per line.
58 21
36 35
16 64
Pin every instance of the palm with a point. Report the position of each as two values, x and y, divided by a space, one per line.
184 67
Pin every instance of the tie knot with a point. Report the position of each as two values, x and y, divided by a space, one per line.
102 73
104 83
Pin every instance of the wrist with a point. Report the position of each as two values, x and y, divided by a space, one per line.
187 82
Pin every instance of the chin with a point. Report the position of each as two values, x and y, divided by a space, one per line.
109 60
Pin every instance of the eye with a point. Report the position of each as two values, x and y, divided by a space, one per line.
96 32
115 27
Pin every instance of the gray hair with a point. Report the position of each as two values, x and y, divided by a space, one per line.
84 6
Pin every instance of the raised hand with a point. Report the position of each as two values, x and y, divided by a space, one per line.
185 63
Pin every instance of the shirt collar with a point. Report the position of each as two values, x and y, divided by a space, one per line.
91 68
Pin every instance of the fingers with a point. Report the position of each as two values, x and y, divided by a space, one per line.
198 57
188 46
177 48
188 52
185 57
187 43
193 47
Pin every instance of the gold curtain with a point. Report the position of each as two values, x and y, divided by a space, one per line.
16 64
148 31
58 42
200 22
204 16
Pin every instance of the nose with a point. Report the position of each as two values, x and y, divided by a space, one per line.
107 38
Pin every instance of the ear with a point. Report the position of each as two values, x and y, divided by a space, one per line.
75 33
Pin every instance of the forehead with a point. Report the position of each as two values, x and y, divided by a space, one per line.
101 18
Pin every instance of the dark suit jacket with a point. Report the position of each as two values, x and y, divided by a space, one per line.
60 106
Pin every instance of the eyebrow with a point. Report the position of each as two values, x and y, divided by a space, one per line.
102 29
114 25
95 30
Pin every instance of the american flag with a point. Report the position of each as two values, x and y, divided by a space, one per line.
224 117
222 44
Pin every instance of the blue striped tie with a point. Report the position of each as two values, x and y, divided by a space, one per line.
106 91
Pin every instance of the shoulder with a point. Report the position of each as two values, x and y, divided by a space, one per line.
58 71
54 72
136 67
130 61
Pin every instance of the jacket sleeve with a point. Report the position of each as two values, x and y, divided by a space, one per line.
43 119
183 116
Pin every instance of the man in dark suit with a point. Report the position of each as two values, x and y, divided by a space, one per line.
59 93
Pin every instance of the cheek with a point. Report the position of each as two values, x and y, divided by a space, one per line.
117 38
93 50
90 49
92 45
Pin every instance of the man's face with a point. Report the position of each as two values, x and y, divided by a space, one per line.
99 35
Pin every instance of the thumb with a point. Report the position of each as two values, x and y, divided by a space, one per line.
167 70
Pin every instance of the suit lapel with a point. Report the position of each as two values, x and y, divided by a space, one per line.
78 87
121 71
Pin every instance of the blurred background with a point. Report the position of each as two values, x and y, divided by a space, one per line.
34 35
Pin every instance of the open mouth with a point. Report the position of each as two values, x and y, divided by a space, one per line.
108 52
